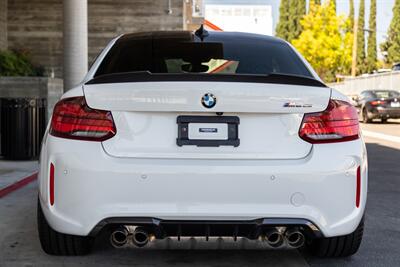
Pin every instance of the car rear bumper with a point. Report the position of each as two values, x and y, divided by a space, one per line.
381 112
91 186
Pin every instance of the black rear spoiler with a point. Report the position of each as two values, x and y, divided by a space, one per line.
127 77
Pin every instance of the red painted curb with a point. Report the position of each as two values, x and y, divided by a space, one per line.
17 185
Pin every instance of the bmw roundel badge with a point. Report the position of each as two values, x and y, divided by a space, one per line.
208 100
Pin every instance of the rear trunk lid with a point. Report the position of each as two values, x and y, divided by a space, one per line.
145 115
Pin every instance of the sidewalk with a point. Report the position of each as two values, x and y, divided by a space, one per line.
12 172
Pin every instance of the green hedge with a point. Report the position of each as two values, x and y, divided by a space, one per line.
17 63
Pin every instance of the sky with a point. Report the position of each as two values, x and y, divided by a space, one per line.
383 18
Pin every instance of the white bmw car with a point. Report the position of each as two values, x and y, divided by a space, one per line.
204 134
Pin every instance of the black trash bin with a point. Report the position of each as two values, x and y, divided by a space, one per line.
23 123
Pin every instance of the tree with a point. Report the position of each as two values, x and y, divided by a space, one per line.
290 14
324 41
351 15
392 45
361 39
350 30
315 2
282 28
297 10
334 3
371 48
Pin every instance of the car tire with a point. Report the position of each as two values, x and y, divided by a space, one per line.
55 243
383 120
338 246
365 118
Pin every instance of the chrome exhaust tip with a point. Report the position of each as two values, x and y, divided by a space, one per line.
274 238
141 237
119 236
294 237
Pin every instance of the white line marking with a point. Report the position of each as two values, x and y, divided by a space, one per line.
390 138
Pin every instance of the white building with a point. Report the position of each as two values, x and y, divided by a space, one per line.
256 16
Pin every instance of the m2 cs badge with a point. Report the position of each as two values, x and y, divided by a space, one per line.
296 105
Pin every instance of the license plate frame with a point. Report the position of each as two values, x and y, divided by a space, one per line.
183 131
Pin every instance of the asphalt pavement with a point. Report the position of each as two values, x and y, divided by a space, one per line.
19 245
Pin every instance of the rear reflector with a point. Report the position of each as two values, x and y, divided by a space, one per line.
358 187
51 184
338 123
74 119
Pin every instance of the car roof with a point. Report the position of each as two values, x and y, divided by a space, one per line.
190 36
378 90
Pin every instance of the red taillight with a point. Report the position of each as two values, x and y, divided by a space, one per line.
378 102
72 118
338 123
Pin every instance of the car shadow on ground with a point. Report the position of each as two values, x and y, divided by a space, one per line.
198 252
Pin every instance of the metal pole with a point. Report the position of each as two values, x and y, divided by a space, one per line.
75 39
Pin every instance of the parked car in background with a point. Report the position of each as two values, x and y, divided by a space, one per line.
396 67
378 104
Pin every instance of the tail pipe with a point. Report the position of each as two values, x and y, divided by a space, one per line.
294 237
119 236
141 236
274 238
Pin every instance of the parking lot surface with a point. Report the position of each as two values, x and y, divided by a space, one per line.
19 245
14 171
391 127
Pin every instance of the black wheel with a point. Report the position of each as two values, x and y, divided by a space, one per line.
384 120
55 243
338 246
365 118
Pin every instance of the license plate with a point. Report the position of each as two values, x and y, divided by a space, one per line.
208 131
395 104
211 131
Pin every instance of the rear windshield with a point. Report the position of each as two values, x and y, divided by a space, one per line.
385 94
185 53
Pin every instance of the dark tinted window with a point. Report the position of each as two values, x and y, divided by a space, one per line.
182 52
366 94
385 94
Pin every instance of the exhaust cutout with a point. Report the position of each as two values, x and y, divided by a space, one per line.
274 238
119 236
141 237
294 238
